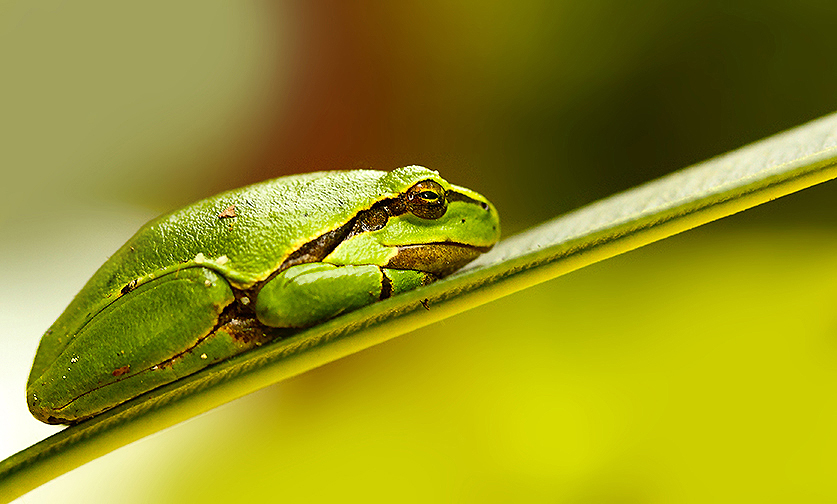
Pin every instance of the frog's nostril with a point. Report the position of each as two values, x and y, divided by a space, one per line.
484 205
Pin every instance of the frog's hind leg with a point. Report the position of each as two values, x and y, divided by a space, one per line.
151 335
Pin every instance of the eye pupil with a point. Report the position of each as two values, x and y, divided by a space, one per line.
428 195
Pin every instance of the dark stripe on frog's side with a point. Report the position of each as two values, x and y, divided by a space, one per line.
365 221
317 249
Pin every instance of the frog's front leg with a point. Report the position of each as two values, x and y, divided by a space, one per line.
305 294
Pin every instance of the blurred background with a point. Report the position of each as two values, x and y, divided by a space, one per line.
701 368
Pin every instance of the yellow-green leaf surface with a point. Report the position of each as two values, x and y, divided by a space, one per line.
721 186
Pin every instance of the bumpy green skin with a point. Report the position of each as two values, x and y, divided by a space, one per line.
153 312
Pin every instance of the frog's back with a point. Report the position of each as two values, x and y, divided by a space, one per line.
251 229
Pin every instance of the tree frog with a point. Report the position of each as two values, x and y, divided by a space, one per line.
223 275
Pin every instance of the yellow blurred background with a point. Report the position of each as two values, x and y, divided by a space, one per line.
697 369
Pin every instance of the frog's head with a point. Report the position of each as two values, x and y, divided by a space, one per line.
421 222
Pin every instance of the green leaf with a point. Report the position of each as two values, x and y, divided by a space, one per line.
752 175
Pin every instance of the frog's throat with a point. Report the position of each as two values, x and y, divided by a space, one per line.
440 259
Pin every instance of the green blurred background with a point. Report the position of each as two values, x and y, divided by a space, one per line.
701 368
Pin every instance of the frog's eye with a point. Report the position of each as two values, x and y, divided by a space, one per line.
427 200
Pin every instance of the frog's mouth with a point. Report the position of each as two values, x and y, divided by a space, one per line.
439 259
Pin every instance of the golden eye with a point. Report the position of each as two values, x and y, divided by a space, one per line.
427 200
